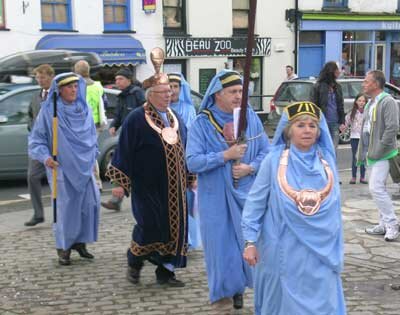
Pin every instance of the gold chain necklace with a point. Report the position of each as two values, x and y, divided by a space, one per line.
169 134
308 201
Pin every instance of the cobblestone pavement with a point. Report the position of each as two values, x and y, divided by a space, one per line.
32 282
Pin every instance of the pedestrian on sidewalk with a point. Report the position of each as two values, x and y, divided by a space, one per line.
328 96
131 97
290 75
36 171
149 164
292 220
212 154
354 122
379 142
94 98
78 198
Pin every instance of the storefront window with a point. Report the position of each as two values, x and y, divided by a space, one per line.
311 38
356 59
395 64
255 85
357 36
380 36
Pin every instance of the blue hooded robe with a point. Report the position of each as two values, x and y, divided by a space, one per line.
300 256
220 204
78 197
185 109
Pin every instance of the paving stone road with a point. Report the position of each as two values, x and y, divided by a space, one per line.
32 282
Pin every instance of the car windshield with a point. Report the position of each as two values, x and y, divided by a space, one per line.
289 92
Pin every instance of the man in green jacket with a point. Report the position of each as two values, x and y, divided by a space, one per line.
94 98
379 142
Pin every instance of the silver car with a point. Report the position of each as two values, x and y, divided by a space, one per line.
14 103
300 90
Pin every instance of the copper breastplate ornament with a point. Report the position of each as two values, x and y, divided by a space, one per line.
308 201
169 134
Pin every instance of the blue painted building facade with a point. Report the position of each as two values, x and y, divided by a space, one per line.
358 43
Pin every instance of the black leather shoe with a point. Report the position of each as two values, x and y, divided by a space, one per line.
133 275
238 301
82 251
171 282
64 257
111 205
34 221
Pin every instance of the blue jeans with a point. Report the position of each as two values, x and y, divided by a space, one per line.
354 146
334 132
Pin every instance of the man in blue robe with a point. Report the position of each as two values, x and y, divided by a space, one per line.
181 103
292 220
149 164
210 156
78 198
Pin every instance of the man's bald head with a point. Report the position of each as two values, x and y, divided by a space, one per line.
82 68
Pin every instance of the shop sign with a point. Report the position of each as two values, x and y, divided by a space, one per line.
229 46
390 26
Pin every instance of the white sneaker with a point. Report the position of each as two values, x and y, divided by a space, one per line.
378 229
392 232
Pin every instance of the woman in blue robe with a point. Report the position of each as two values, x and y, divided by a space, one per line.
78 197
220 203
184 108
295 239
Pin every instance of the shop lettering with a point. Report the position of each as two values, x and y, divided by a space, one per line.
390 25
236 46
198 45
222 45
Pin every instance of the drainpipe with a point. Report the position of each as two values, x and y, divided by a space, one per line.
296 30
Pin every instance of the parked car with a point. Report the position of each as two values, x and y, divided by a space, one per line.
14 103
300 90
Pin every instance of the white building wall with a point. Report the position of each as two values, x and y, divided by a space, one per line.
388 6
205 18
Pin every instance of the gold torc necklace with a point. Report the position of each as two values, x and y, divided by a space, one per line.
169 134
308 201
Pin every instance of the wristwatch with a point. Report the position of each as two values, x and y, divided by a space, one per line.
249 243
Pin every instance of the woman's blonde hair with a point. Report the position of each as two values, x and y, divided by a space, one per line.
287 131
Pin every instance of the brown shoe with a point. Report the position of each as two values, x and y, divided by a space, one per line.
64 257
111 205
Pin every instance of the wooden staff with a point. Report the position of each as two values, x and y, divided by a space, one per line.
241 132
55 144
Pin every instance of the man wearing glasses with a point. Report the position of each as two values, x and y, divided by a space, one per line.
149 163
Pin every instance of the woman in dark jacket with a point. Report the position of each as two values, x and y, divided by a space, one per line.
327 95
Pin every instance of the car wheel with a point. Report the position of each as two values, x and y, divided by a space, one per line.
106 161
344 137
